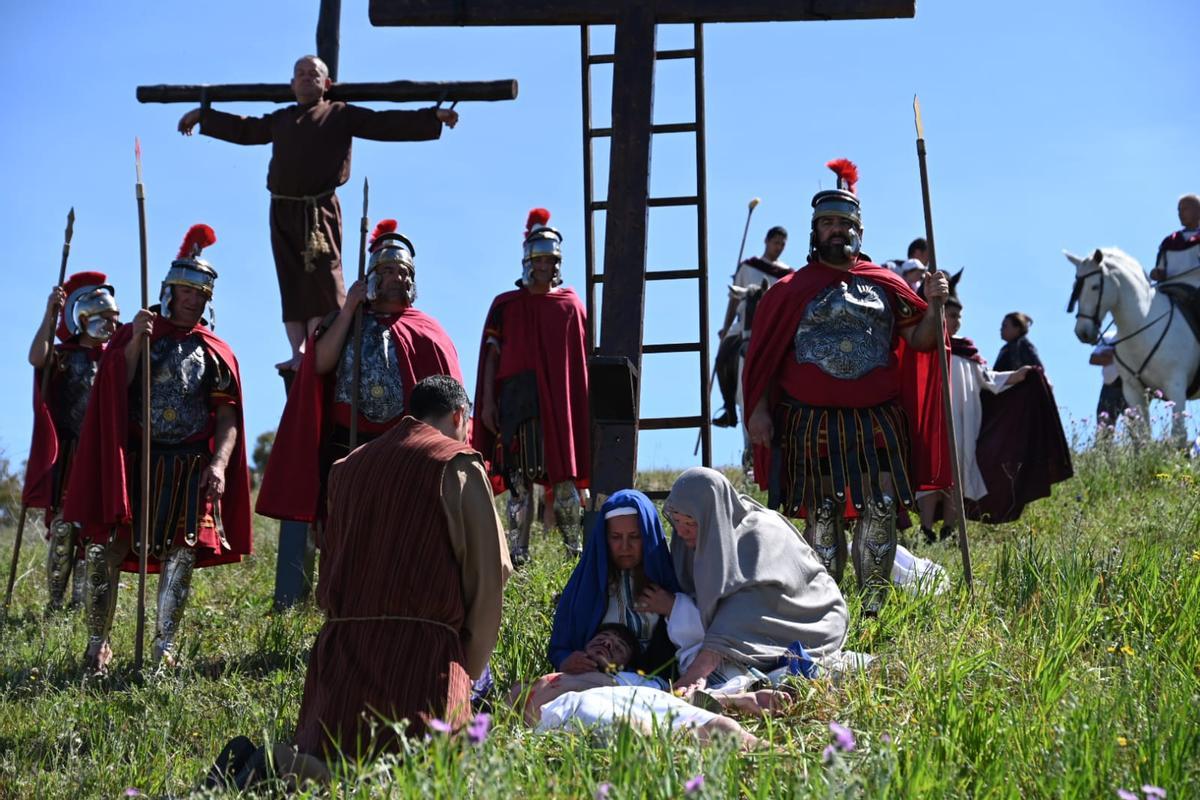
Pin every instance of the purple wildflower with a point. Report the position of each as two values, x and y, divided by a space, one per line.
843 737
602 791
885 738
477 731
1150 790
694 785
830 752
1125 794
441 726
132 792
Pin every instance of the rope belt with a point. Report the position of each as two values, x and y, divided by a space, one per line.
315 243
394 619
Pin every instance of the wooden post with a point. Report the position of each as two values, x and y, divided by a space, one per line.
614 462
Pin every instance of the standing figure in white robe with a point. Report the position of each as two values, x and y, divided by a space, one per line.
969 378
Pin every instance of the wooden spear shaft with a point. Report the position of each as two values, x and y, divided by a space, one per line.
144 509
47 367
358 320
943 363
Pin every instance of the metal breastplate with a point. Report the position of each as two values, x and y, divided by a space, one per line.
77 373
182 376
380 390
846 329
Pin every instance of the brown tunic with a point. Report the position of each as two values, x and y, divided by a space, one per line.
412 575
310 158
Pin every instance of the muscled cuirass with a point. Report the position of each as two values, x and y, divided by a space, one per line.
76 374
182 378
380 390
846 329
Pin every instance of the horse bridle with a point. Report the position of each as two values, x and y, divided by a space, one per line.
1077 290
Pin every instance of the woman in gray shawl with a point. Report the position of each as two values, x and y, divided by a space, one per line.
759 588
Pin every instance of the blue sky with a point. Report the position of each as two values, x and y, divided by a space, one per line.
1070 124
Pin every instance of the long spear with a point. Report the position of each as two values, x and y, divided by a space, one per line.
358 319
712 377
46 370
144 515
963 546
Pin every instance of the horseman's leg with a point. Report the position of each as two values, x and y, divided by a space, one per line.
520 516
60 560
103 575
174 587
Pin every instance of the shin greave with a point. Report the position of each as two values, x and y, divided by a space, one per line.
874 552
103 575
174 586
60 561
520 518
826 534
568 516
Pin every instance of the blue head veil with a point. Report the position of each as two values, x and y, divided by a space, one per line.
585 598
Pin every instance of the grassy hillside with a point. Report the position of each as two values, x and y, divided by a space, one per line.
1073 671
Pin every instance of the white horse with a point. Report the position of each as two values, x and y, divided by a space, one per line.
1155 347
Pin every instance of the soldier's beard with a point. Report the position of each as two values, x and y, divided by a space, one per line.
833 251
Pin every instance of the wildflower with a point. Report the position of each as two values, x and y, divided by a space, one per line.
1163 476
1125 794
132 792
602 791
843 737
1111 648
1126 649
441 726
828 754
694 785
1150 790
1122 741
477 731
1196 555
885 738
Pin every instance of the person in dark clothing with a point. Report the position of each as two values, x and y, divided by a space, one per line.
1017 351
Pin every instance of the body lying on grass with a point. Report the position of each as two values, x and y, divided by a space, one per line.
611 695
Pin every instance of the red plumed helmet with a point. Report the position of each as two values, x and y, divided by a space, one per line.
74 282
846 172
385 226
537 216
198 237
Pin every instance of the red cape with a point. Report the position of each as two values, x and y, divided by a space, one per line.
291 483
43 449
545 333
97 496
775 321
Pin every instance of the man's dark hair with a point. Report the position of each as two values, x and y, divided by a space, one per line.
776 230
437 396
627 636
917 244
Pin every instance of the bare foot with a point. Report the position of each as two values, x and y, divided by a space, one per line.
96 659
291 365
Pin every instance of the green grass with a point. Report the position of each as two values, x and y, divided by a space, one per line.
1073 671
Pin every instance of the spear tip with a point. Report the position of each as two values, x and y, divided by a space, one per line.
917 117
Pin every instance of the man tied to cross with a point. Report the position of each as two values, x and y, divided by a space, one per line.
310 158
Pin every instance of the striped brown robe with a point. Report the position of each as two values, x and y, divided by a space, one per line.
412 602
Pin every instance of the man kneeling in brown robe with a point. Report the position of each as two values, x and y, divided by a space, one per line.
411 582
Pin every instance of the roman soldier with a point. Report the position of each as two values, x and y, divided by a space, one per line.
531 392
199 504
401 346
85 310
845 415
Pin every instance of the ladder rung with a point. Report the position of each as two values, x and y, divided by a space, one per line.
660 275
661 55
671 127
672 347
668 423
655 202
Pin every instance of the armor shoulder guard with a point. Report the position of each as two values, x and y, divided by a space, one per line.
222 375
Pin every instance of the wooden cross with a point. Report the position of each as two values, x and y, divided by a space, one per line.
615 456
